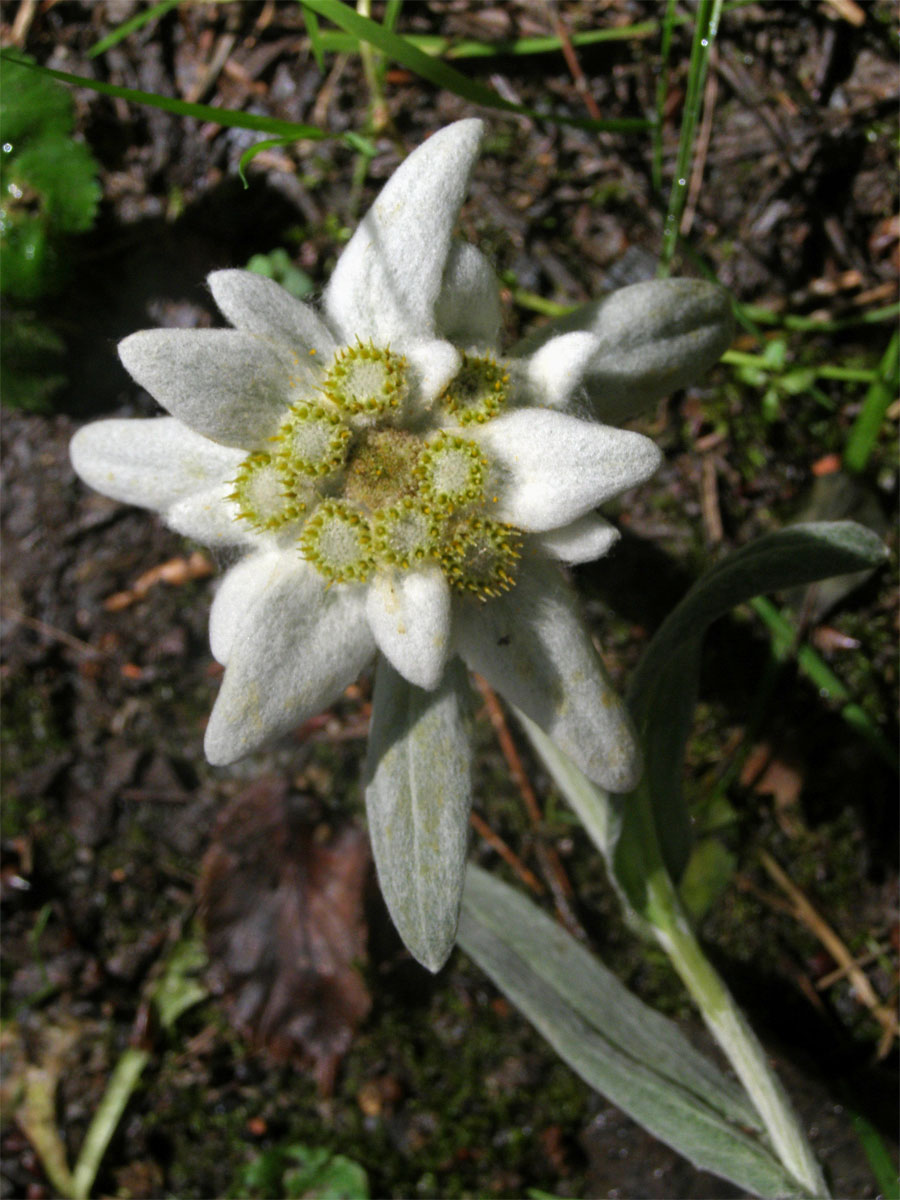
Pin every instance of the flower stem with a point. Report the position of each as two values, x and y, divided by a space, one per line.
634 860
731 1030
728 1025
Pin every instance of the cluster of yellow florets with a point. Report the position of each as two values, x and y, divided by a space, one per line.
359 491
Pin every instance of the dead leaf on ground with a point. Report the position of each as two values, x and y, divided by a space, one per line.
783 781
283 912
175 572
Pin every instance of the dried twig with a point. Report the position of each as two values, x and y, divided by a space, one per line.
22 23
709 500
508 855
213 68
551 867
175 572
51 631
571 57
804 912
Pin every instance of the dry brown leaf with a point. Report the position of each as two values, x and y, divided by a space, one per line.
175 572
283 911
770 776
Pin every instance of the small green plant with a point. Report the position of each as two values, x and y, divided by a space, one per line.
277 265
48 182
302 1173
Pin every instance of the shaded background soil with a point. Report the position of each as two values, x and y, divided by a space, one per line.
109 806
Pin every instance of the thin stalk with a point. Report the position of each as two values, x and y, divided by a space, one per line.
727 1023
371 64
882 391
122 1083
738 358
635 864
662 91
707 23
825 680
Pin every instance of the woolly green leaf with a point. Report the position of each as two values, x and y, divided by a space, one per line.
625 1050
418 798
663 689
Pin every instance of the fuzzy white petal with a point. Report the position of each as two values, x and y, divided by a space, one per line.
410 619
152 463
434 364
531 646
259 305
388 279
584 540
468 307
232 387
556 372
235 596
558 467
210 517
292 654
650 339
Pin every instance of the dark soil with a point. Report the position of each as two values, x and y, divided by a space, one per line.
109 805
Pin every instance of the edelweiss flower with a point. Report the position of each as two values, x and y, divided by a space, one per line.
399 490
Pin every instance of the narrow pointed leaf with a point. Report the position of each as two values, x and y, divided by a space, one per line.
418 798
639 1060
663 689
183 108
401 50
138 21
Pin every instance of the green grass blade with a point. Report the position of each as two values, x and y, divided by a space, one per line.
311 21
765 316
883 1167
821 675
882 392
738 358
440 47
705 28
251 152
138 21
401 50
392 14
201 112
662 91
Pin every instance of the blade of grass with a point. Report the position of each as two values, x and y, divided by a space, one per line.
392 13
765 316
202 112
877 1153
705 29
138 21
737 358
441 47
316 41
818 671
441 75
539 304
882 392
662 91
121 1087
